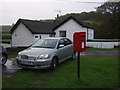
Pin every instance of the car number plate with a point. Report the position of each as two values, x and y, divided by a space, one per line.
27 62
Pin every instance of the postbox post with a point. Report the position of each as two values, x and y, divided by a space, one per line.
78 66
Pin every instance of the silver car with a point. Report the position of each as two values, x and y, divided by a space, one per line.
46 53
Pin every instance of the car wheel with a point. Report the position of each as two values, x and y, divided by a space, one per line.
54 63
4 59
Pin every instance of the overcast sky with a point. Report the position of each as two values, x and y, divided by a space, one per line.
12 10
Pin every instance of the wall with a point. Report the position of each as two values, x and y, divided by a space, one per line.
22 36
102 44
40 35
90 34
71 27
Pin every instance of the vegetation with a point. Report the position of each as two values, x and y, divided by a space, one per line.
6 35
13 51
96 72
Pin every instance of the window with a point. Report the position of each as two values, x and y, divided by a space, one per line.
67 42
46 43
51 35
40 36
62 34
15 34
61 41
36 36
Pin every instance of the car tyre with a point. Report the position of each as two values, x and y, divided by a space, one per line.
54 63
73 56
4 59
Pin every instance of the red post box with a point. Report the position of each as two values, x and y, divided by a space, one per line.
79 41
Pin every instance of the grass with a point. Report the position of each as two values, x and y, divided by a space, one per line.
6 40
13 51
6 34
96 72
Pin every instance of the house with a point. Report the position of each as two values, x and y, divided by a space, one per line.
71 25
26 32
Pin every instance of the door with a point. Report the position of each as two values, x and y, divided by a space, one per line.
65 51
61 51
69 47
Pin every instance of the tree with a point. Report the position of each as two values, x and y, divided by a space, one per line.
110 12
109 7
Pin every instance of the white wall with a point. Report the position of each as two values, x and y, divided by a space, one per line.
22 36
102 44
71 27
90 34
42 36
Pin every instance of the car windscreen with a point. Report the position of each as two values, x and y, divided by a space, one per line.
46 43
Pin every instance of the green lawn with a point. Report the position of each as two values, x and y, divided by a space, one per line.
13 51
6 35
96 72
8 40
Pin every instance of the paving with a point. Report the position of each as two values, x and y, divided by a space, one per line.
11 66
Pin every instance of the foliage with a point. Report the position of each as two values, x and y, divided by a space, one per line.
6 35
109 15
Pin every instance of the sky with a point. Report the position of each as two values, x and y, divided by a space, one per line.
12 10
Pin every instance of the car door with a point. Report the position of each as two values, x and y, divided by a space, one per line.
68 47
61 51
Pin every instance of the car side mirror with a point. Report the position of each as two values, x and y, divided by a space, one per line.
30 45
61 45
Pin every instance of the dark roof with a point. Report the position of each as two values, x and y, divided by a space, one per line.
36 27
42 27
79 22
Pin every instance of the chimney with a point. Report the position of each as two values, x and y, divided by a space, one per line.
57 15
56 19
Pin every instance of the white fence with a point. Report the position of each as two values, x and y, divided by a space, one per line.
102 44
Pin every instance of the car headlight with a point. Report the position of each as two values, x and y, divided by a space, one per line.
18 56
43 56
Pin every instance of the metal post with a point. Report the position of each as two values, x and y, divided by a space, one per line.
78 67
